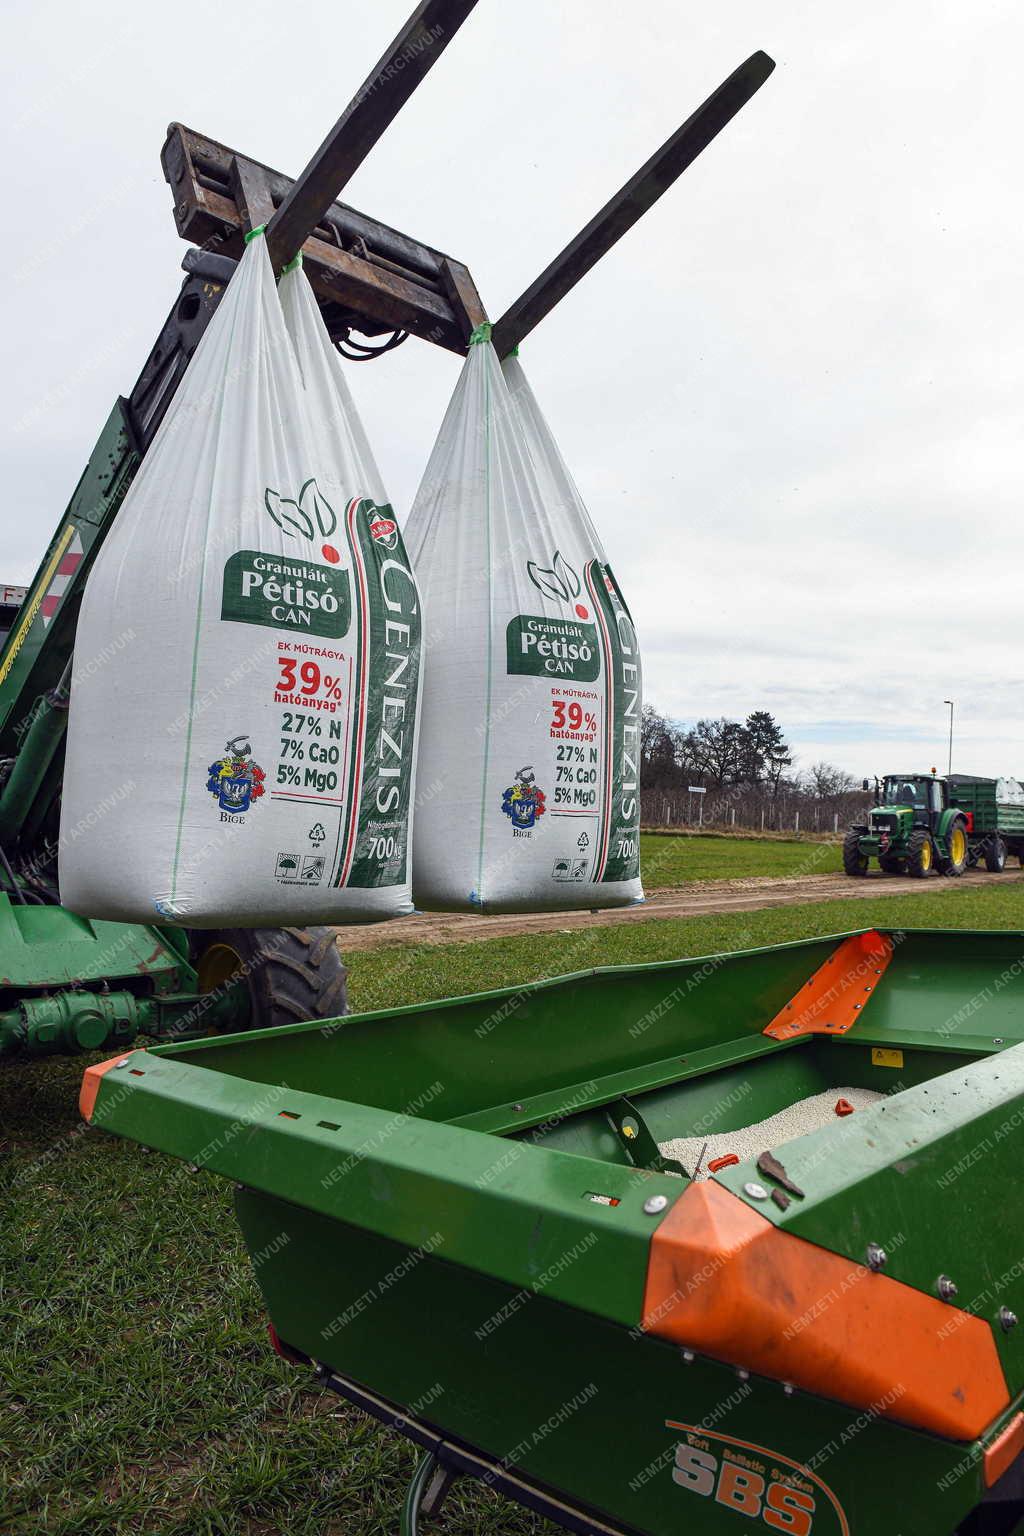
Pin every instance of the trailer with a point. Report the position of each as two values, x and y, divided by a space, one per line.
995 827
621 1245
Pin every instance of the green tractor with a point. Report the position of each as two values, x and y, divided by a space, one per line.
914 827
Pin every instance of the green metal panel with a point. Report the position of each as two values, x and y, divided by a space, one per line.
946 989
43 947
543 1042
505 1209
35 653
576 1403
932 1176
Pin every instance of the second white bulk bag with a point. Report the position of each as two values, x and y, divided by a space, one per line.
249 757
528 770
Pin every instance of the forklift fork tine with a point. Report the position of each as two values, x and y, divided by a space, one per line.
630 203
375 105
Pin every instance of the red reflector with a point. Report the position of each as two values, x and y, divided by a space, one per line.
722 1162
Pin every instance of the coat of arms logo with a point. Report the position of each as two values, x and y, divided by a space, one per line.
234 778
523 801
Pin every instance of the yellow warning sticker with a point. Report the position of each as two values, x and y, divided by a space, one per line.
880 1057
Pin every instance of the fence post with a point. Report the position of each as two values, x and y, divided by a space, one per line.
762 818
734 815
796 824
835 822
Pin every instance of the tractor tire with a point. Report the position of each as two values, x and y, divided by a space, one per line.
891 865
921 858
995 856
854 862
291 974
959 850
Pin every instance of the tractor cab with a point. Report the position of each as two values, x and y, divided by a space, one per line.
919 797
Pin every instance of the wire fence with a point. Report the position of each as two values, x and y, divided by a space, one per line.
744 808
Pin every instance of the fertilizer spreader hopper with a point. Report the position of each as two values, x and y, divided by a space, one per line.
470 1219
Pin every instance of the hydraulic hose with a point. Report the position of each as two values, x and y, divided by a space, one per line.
16 890
414 1497
41 741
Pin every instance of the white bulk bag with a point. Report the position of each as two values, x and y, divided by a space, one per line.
248 757
529 756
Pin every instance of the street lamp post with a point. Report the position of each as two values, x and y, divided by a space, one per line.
950 703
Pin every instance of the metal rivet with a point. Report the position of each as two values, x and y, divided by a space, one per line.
946 1287
788 1388
688 1356
1007 1319
122 1063
997 1039
742 1375
517 1109
655 1203
755 1191
877 1257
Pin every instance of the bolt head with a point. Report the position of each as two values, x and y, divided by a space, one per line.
655 1203
946 1287
1007 1319
755 1191
688 1356
876 1256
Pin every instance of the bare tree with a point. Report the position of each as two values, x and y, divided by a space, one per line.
827 782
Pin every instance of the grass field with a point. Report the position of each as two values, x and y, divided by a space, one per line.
668 859
137 1390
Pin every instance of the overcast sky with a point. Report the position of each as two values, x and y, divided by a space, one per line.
792 396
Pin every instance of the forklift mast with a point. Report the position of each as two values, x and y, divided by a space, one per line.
375 286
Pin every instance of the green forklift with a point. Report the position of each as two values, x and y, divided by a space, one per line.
922 822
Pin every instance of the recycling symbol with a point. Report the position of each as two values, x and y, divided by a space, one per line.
317 834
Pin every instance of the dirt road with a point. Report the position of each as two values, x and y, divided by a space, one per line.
682 901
